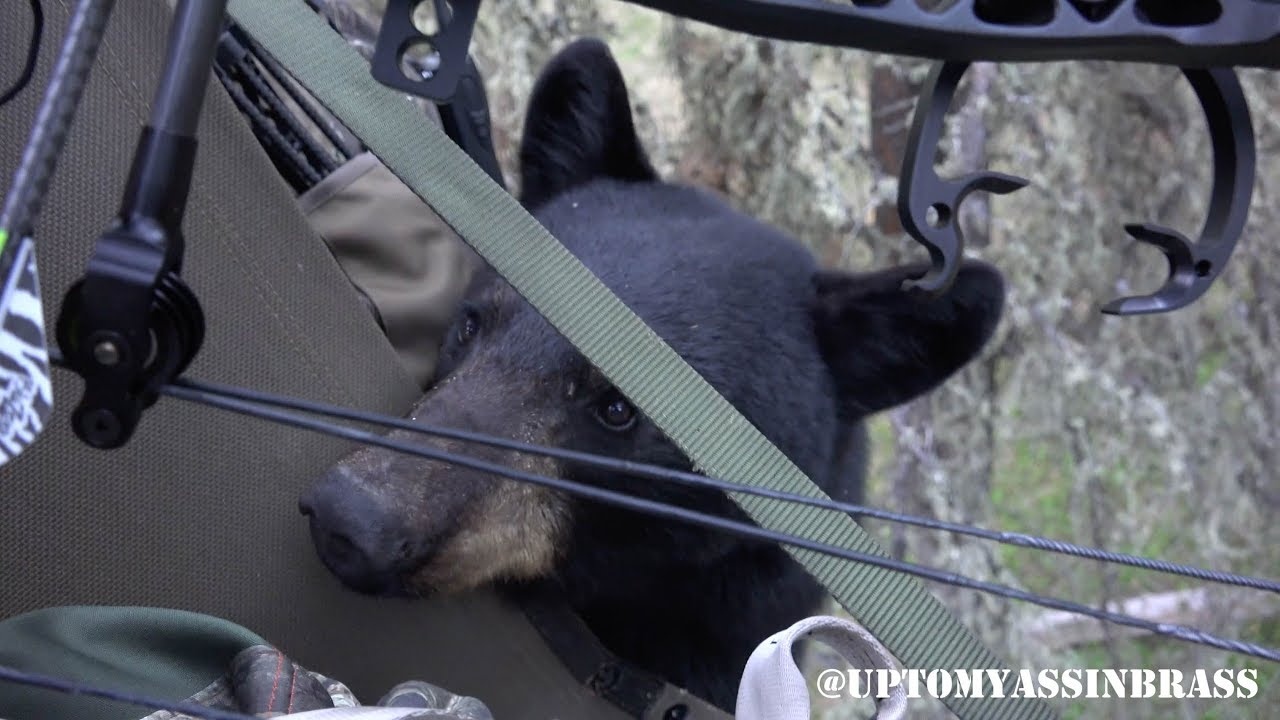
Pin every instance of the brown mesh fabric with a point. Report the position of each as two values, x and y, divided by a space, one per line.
198 511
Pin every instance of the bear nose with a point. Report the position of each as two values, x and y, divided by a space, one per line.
356 539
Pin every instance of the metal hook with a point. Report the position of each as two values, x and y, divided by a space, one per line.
920 189
1194 267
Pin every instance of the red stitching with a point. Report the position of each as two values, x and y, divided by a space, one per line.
279 665
293 684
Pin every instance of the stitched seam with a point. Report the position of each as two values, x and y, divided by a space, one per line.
138 94
293 685
214 212
276 684
267 292
114 70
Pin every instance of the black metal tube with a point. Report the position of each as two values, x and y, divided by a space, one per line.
193 40
160 177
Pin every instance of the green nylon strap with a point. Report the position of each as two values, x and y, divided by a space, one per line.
720 441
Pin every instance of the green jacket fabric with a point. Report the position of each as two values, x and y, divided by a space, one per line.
167 654
406 262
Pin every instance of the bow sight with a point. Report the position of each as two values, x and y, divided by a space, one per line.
131 325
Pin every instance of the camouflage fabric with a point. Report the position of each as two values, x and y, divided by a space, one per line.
217 695
263 682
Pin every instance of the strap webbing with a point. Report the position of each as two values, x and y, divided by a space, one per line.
635 691
719 440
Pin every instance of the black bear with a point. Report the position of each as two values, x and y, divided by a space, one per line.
804 353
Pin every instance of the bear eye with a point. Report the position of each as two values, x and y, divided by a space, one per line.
615 412
469 327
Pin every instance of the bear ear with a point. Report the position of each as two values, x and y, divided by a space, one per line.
578 126
886 346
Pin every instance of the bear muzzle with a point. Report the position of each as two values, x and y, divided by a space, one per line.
366 547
